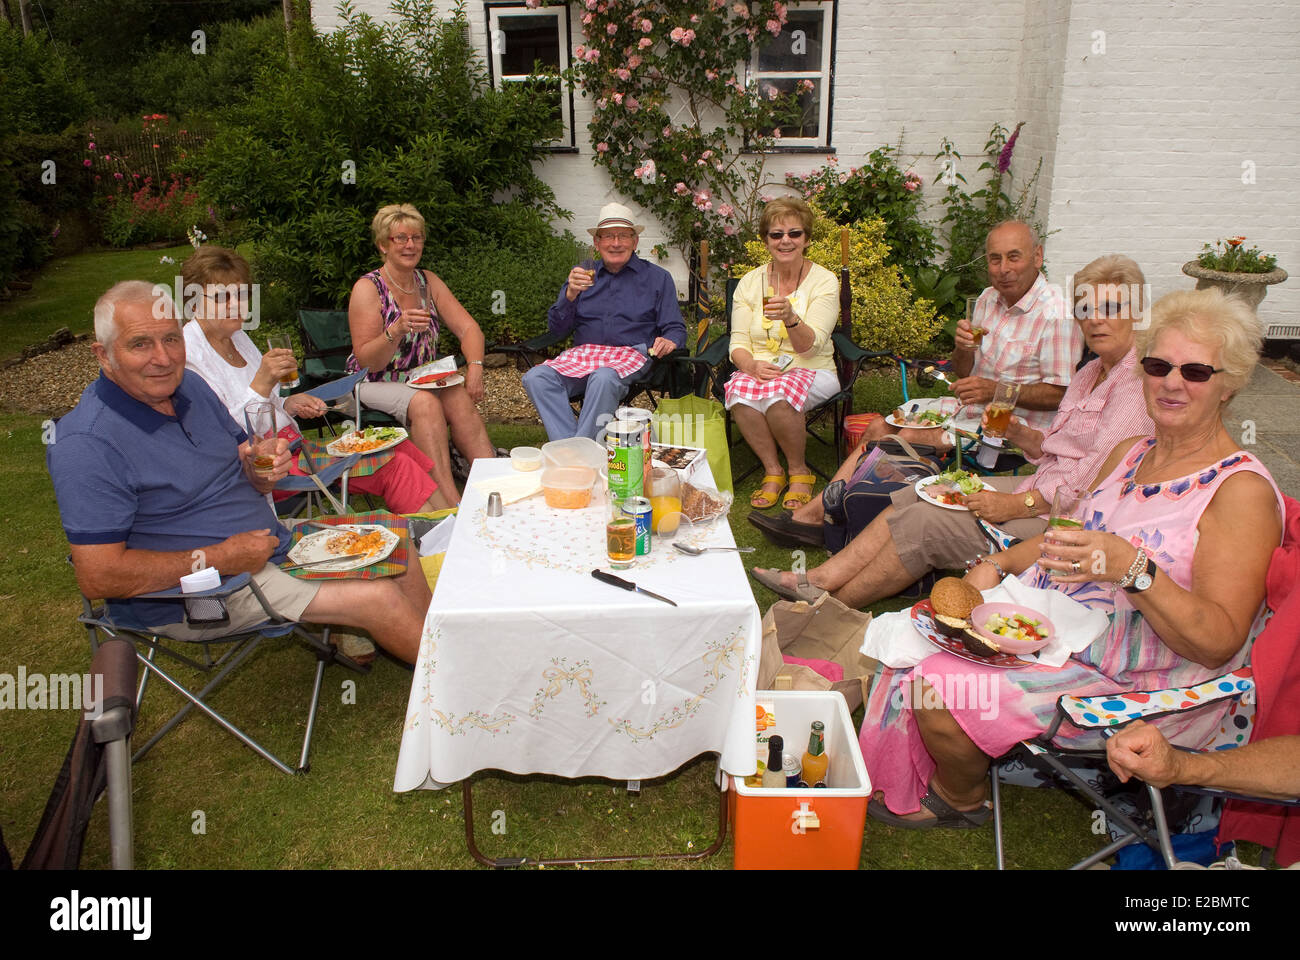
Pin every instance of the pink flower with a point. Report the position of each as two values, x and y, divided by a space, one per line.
684 37
695 18
644 42
711 74
632 104
706 154
580 51
774 27
602 103
117 176
910 185
91 147
780 11
844 178
668 131
646 26
586 18
771 91
618 98
776 133
726 210
633 61
623 73
592 55
681 189
86 162
740 10
729 230
532 4
806 86
718 166
591 4
611 28
602 147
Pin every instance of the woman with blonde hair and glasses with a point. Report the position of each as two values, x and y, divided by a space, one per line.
782 318
394 315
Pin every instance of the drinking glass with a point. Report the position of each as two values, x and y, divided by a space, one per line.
997 417
259 421
620 536
289 380
976 332
1067 514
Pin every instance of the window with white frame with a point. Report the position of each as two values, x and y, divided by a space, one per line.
798 61
529 46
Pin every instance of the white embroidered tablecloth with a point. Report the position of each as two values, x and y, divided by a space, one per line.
530 665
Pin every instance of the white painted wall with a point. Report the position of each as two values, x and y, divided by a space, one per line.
1143 144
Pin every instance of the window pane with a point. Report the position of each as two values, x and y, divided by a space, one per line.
808 119
527 40
798 48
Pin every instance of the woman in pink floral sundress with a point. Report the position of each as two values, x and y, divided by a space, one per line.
1179 530
394 316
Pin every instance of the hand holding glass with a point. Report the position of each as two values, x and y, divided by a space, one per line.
259 422
288 380
1067 514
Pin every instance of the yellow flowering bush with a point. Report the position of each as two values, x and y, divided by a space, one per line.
885 316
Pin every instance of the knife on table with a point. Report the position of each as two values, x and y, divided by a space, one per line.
622 584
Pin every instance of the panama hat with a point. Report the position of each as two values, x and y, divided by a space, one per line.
615 215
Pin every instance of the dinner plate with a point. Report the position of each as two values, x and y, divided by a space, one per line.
926 481
339 447
451 381
315 546
923 621
920 406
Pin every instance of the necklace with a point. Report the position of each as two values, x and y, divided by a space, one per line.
389 278
798 280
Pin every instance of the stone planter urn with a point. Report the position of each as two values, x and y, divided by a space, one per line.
1250 286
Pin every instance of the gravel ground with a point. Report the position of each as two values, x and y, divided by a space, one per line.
51 384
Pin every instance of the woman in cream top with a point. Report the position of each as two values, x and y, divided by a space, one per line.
783 353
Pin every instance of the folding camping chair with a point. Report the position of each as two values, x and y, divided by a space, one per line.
239 646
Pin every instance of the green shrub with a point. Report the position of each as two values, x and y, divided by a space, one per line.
885 317
372 115
877 189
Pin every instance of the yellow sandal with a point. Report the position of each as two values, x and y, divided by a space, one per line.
794 500
760 499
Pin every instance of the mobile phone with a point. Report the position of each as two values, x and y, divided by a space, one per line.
783 361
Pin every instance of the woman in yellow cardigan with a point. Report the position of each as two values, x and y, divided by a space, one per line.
782 318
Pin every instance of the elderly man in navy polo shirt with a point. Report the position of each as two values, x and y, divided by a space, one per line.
621 314
151 473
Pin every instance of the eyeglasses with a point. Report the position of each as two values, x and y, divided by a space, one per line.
1191 372
627 236
782 234
402 239
1111 308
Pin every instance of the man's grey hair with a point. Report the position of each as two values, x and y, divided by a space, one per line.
129 291
1034 242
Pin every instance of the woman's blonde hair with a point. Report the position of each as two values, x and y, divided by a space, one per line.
1225 322
1112 270
382 226
783 208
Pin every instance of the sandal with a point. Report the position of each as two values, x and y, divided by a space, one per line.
795 500
761 499
945 816
803 590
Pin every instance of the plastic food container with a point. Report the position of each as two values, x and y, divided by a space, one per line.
568 488
526 458
574 452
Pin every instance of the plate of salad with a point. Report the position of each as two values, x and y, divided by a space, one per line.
920 414
950 488
369 440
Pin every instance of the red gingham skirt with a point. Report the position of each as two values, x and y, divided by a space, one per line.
584 360
792 386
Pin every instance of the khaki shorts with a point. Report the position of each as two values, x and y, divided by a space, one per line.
387 397
288 596
932 538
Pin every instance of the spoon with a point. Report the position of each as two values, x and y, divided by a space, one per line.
690 551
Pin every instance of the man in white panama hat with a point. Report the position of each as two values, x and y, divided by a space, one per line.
621 314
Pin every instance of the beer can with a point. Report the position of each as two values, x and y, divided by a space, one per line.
624 447
638 508
792 769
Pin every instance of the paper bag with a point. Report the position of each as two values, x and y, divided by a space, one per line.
824 630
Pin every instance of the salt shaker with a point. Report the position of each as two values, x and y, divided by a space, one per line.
494 504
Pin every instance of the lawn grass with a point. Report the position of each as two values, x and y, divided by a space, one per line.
202 800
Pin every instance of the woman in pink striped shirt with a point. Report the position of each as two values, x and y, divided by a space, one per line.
907 540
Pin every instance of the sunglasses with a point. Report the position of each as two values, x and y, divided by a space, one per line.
1191 372
1110 308
782 234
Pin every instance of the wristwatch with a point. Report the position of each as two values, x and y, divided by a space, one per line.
1144 579
1031 503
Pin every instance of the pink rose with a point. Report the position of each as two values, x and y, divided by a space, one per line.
740 10
86 162
644 42
581 49
623 74
532 4
806 85
676 34
91 147
729 230
592 55
602 147
687 38
711 74
681 189
632 104
117 176
726 210
586 18
591 4
618 98
910 185
774 27
633 62
668 131
776 134
611 28
695 18
646 26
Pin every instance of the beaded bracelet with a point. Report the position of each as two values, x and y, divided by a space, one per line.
1137 566
972 564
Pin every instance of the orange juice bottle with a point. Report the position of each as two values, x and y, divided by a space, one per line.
815 761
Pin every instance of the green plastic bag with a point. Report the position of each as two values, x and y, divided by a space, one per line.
692 421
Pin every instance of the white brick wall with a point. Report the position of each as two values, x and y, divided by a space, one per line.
1143 144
